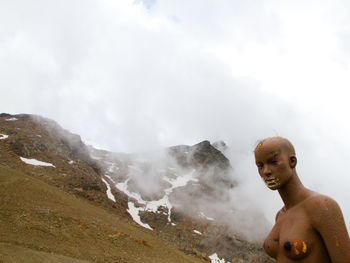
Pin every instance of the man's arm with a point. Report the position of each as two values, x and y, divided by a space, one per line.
328 221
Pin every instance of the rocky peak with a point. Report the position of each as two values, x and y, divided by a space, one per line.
202 154
206 154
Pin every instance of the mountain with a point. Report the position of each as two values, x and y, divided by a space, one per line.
63 201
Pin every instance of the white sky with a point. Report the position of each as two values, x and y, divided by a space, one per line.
138 75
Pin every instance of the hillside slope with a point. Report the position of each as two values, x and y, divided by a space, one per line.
41 223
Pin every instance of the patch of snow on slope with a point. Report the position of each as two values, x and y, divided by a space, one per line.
181 180
124 188
197 232
206 217
110 178
3 136
109 192
215 259
175 183
12 119
152 206
112 168
36 162
134 212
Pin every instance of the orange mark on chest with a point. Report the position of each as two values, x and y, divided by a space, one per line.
299 246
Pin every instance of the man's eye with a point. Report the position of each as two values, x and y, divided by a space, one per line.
260 166
274 162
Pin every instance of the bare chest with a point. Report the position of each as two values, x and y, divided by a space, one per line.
293 239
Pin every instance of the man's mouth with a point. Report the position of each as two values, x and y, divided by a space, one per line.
272 182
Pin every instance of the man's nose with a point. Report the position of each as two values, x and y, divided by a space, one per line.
267 170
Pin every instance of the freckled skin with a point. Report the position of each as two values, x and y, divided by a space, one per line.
310 227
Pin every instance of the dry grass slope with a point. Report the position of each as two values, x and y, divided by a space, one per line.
41 223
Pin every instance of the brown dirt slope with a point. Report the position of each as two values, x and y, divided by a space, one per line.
42 223
11 253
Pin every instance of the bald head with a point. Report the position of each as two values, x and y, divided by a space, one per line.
281 143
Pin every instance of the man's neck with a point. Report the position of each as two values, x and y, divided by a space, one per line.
293 192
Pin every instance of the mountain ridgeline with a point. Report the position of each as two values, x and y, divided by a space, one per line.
64 201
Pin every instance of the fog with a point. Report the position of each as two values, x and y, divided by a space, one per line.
136 76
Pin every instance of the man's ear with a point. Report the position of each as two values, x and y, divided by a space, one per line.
293 161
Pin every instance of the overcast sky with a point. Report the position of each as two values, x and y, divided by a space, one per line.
139 75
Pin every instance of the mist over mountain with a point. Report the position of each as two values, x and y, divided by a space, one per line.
137 76
182 197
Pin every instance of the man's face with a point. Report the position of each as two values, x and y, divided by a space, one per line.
273 164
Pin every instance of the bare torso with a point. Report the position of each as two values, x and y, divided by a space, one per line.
293 238
311 227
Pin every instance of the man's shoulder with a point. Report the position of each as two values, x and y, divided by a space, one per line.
316 201
280 212
320 207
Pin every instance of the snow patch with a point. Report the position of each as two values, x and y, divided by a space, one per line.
215 259
35 162
134 212
109 192
3 136
12 119
181 180
110 178
124 188
206 217
197 232
153 206
113 168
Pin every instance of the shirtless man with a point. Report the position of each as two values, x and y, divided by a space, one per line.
310 228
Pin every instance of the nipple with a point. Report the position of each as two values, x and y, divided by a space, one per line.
287 246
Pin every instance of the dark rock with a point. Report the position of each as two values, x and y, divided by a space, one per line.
202 154
5 115
205 154
27 148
